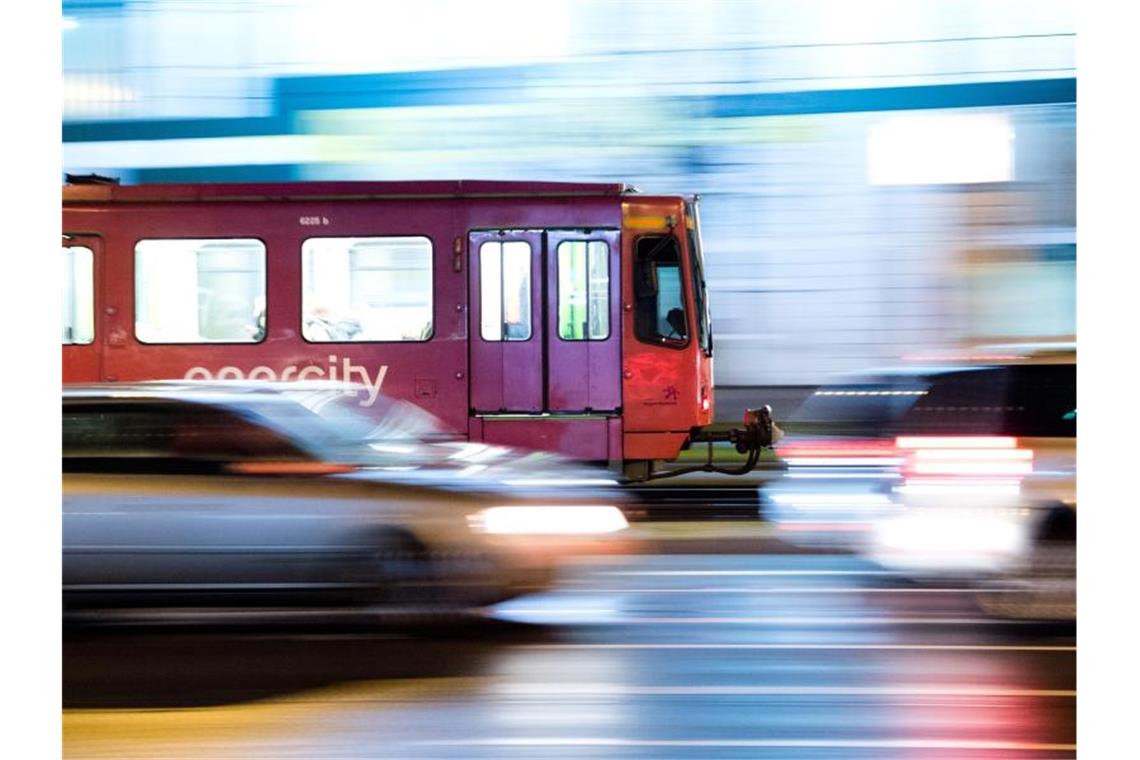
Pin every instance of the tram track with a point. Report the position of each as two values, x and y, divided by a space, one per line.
658 503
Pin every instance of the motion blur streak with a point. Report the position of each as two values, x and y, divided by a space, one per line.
617 679
879 179
549 520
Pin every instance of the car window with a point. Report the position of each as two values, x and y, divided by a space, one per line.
164 437
1032 400
865 406
1043 400
965 402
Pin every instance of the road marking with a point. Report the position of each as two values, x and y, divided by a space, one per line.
783 590
729 573
839 647
626 690
611 616
931 744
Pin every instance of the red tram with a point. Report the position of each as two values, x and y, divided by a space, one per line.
570 317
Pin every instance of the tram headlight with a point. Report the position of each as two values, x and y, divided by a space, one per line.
549 520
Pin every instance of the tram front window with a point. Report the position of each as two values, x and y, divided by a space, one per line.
660 316
704 323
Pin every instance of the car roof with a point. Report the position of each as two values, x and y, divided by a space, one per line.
996 355
206 391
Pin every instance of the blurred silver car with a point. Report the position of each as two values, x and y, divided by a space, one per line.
963 469
251 496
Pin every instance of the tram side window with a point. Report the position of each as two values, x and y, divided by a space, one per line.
200 291
366 289
583 290
504 290
78 295
660 304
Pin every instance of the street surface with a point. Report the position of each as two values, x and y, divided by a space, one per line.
663 656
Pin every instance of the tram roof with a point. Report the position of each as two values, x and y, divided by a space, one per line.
86 189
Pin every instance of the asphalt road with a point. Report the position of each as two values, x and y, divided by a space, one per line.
662 656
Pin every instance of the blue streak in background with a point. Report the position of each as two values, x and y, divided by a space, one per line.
507 85
973 95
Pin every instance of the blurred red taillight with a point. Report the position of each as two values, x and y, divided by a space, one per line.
288 468
968 456
839 452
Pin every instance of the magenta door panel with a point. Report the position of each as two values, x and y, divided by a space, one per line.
83 329
584 439
583 327
506 329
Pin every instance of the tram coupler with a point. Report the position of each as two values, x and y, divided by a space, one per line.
759 432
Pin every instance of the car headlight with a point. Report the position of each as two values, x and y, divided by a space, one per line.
548 520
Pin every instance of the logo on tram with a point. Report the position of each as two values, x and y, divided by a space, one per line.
337 368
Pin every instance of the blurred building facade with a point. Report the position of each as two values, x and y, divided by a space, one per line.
879 179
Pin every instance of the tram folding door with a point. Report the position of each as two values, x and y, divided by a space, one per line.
82 305
545 321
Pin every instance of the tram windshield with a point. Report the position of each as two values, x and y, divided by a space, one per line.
704 322
659 292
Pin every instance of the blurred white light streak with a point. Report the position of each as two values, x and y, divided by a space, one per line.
362 35
974 455
840 475
940 149
214 151
85 96
956 442
926 537
957 488
829 499
841 461
561 482
549 520
390 448
471 451
871 393
972 468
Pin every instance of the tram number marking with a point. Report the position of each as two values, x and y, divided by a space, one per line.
314 221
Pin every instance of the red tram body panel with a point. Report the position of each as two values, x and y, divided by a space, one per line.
563 316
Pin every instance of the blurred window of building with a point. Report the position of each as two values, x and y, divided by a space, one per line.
367 289
200 291
660 315
1022 292
504 289
78 295
940 149
583 290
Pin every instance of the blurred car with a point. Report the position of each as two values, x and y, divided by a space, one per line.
292 495
963 469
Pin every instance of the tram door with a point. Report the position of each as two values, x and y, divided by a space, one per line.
82 264
544 327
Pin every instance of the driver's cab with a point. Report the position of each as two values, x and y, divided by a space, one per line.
667 335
